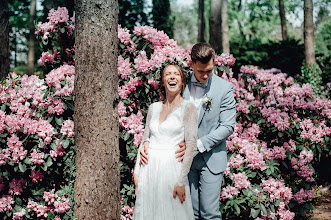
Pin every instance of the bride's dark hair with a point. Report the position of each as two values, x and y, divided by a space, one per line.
162 92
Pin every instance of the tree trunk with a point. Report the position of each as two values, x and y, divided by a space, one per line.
201 28
225 27
31 37
4 38
309 32
97 185
282 19
215 25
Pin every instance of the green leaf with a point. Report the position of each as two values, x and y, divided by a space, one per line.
236 207
49 162
22 167
59 121
264 210
280 134
65 143
126 136
255 212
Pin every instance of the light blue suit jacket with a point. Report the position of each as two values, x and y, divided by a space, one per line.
217 123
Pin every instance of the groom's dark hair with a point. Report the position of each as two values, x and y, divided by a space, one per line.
202 52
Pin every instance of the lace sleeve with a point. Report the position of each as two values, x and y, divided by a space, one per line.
145 138
190 136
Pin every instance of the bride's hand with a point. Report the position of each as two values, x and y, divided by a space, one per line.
135 180
144 153
180 191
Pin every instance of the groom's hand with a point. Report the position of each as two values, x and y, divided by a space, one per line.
181 152
180 191
144 153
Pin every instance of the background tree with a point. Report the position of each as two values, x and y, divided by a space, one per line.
201 23
282 19
161 17
4 38
309 32
97 194
225 27
132 13
215 25
32 40
311 71
185 25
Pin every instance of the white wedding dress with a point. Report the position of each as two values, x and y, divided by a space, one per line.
158 178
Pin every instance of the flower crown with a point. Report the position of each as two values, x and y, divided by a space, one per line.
176 61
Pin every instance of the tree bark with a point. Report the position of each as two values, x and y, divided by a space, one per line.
4 38
309 32
215 25
201 29
282 19
97 185
225 27
31 37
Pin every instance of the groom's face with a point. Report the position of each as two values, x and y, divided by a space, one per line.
202 71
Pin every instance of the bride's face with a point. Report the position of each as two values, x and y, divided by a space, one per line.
172 80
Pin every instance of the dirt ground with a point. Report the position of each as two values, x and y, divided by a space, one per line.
322 210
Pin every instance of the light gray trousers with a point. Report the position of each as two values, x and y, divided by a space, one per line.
205 190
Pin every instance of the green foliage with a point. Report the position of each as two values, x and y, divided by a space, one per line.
323 39
132 13
161 17
285 55
312 74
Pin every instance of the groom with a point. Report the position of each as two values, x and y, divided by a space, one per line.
215 104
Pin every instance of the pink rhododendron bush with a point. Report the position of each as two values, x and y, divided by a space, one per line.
37 132
282 131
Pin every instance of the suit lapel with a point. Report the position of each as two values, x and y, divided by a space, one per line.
208 92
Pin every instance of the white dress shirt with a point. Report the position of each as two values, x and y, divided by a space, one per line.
196 97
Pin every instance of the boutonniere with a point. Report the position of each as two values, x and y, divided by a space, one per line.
207 101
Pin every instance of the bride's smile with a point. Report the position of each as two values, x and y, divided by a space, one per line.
173 82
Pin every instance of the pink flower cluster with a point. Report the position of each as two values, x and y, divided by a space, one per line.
65 72
301 165
58 16
283 213
36 176
19 215
157 38
123 67
133 124
37 158
277 190
47 57
6 203
313 133
67 128
41 210
56 204
16 186
240 181
57 19
129 212
125 38
224 60
229 192
304 195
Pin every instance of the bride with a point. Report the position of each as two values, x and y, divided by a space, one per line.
162 188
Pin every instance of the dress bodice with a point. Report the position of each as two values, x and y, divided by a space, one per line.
181 125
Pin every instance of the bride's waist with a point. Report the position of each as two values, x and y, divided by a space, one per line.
163 146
